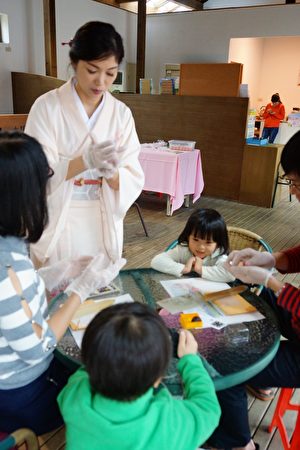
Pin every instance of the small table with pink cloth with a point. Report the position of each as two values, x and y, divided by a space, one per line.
177 174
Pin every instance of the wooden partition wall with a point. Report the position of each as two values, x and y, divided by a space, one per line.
217 124
29 86
12 121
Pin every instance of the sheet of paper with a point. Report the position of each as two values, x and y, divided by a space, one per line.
185 286
211 316
78 334
177 304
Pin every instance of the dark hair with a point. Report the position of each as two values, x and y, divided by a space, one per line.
125 349
290 156
206 224
24 171
96 40
275 98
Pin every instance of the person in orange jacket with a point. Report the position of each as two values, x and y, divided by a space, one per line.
273 114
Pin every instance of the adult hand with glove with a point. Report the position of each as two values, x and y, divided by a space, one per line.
97 274
249 274
250 257
103 156
66 269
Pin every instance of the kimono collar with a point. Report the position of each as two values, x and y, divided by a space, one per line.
75 121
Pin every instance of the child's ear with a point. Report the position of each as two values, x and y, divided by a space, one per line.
157 382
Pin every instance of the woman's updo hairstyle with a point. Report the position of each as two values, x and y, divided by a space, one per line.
275 98
96 40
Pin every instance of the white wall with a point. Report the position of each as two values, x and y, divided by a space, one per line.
204 36
280 71
71 14
249 52
27 37
15 55
270 65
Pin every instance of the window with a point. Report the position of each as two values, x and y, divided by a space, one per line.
4 34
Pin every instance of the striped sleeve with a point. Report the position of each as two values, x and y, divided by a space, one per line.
19 344
293 256
289 299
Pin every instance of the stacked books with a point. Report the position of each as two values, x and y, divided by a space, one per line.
167 86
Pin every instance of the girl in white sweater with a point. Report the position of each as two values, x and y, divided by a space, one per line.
202 248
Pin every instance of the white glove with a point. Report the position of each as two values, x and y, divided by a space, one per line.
250 275
103 157
251 257
63 270
96 275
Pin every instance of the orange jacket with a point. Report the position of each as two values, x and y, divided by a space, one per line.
273 120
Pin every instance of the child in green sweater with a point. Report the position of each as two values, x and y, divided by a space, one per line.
110 404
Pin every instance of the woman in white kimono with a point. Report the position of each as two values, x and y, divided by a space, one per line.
90 142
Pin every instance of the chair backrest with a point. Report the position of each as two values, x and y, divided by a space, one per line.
172 245
240 238
13 121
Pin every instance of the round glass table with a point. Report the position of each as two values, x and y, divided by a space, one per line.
231 355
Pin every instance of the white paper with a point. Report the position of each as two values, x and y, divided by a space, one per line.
78 335
208 314
185 286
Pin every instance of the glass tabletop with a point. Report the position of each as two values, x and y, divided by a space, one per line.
231 355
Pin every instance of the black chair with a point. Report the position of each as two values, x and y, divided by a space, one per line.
141 217
280 179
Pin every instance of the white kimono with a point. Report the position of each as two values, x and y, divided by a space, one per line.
94 226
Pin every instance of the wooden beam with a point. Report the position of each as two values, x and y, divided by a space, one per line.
141 43
109 2
195 4
50 38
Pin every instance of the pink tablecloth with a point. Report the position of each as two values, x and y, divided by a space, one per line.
175 174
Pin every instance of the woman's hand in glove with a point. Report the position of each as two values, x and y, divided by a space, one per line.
250 275
103 157
62 271
250 257
96 275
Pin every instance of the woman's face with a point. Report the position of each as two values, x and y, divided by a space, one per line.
95 77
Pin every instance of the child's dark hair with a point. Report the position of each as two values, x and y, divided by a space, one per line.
24 172
206 224
96 40
290 156
126 348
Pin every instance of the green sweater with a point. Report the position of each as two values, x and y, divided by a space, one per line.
154 421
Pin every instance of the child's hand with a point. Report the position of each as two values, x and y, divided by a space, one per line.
189 265
187 344
198 265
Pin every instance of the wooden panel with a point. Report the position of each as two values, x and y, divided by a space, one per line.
27 87
217 124
50 37
259 173
210 79
12 121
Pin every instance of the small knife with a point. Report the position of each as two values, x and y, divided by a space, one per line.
224 293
